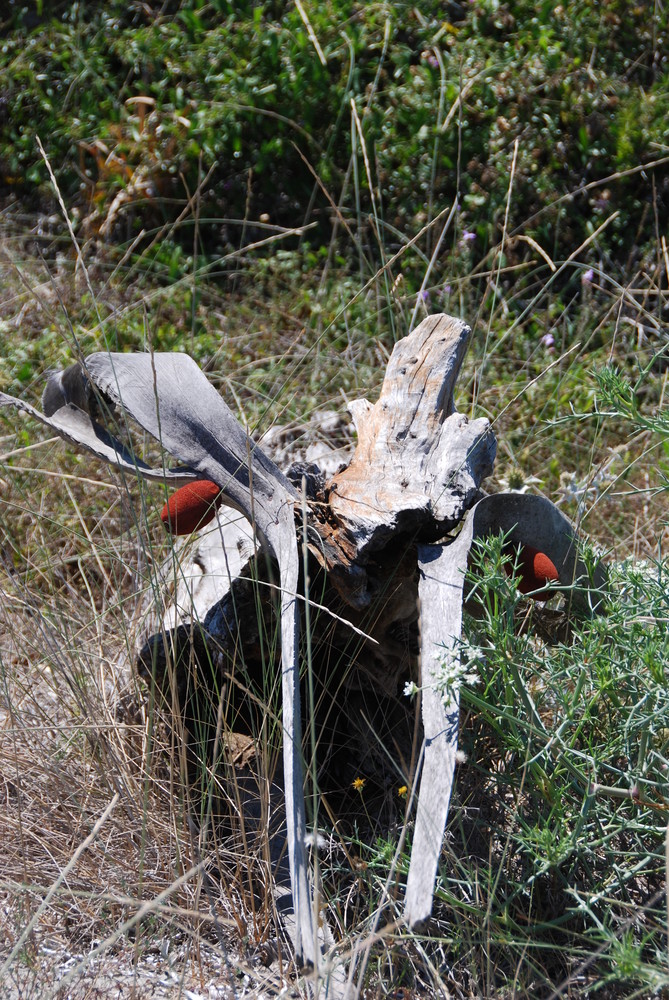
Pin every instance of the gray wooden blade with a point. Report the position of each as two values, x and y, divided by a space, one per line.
76 426
172 399
442 577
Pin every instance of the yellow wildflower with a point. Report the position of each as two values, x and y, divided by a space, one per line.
402 791
358 784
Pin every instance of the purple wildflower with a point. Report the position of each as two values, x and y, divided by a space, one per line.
468 236
548 340
586 278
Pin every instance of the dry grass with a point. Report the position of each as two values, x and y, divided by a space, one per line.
79 741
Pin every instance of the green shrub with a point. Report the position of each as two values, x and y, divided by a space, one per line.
244 94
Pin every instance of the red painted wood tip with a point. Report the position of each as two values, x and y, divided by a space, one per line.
535 569
191 507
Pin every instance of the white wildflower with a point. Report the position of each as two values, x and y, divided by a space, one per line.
459 669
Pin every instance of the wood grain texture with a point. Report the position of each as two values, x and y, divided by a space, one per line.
418 463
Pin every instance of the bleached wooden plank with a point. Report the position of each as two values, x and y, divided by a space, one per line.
442 575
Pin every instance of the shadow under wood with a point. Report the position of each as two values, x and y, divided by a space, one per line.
219 683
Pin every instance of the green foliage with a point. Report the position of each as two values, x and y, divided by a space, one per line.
553 877
147 100
574 815
624 398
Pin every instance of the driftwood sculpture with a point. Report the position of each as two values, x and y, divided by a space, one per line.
384 541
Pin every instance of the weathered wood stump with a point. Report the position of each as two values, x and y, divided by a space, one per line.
371 560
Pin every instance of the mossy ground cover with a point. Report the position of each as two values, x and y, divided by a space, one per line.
282 191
